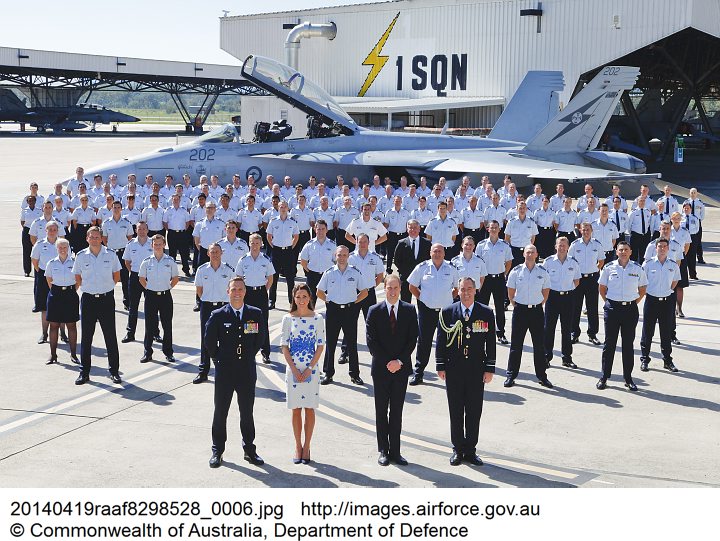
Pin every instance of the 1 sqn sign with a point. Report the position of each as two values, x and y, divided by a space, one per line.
439 72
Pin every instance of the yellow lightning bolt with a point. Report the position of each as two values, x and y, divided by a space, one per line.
375 60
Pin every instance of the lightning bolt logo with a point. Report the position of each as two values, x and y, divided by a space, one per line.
375 60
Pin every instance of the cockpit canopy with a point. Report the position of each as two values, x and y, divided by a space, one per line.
227 133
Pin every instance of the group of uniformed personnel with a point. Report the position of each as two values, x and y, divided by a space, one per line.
538 254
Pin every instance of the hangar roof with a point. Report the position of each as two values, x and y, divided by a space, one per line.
398 105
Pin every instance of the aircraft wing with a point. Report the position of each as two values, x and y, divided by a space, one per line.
461 162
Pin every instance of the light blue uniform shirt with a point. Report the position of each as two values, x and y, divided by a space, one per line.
43 251
117 233
435 284
153 217
209 231
635 221
176 218
528 284
681 235
328 215
250 220
588 255
158 272
566 220
697 208
96 271
473 268
623 283
521 232
233 252
320 256
473 219
423 216
494 255
341 287
369 266
660 276
557 202
255 271
675 251
543 218
282 231
562 273
690 223
534 202
136 252
214 282
344 216
605 234
61 272
495 213
442 232
302 218
397 220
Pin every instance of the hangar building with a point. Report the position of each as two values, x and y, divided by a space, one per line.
423 63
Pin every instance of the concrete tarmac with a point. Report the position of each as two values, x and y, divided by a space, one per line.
154 429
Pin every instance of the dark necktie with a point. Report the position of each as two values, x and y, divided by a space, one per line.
393 319
467 314
237 314
414 247
687 224
642 218
693 208
617 219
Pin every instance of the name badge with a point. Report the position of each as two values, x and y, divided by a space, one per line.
251 327
480 326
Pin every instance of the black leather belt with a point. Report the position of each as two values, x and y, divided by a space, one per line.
282 247
589 274
562 292
472 230
178 230
214 303
255 288
305 231
166 292
496 275
99 295
621 303
347 305
528 305
658 298
62 288
546 228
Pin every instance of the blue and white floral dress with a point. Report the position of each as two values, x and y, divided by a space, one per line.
302 335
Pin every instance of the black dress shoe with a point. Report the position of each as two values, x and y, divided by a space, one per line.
574 339
82 379
265 359
668 365
157 338
35 310
64 338
569 364
676 342
502 340
27 275
416 380
601 384
170 359
52 360
594 340
196 308
43 338
199 379
357 380
326 380
74 359
701 262
254 459
146 358
115 378
344 359
631 385
473 459
215 460
384 459
455 459
128 338
509 381
644 366
399 460
545 383
126 305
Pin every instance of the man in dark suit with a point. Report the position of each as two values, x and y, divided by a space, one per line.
465 360
233 336
392 331
410 251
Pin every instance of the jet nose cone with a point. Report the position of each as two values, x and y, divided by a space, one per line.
127 118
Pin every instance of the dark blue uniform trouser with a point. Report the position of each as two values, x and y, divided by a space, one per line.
389 397
228 381
178 242
427 325
285 263
206 309
639 243
465 392
390 245
98 309
518 257
619 318
158 303
559 304
341 319
662 312
495 284
525 318
258 297
699 247
124 275
135 291
26 250
312 280
587 290
691 257
545 241
365 305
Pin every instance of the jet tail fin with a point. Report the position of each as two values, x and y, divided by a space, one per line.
579 126
9 101
535 102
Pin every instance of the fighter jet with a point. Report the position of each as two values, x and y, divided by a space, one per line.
76 117
531 141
